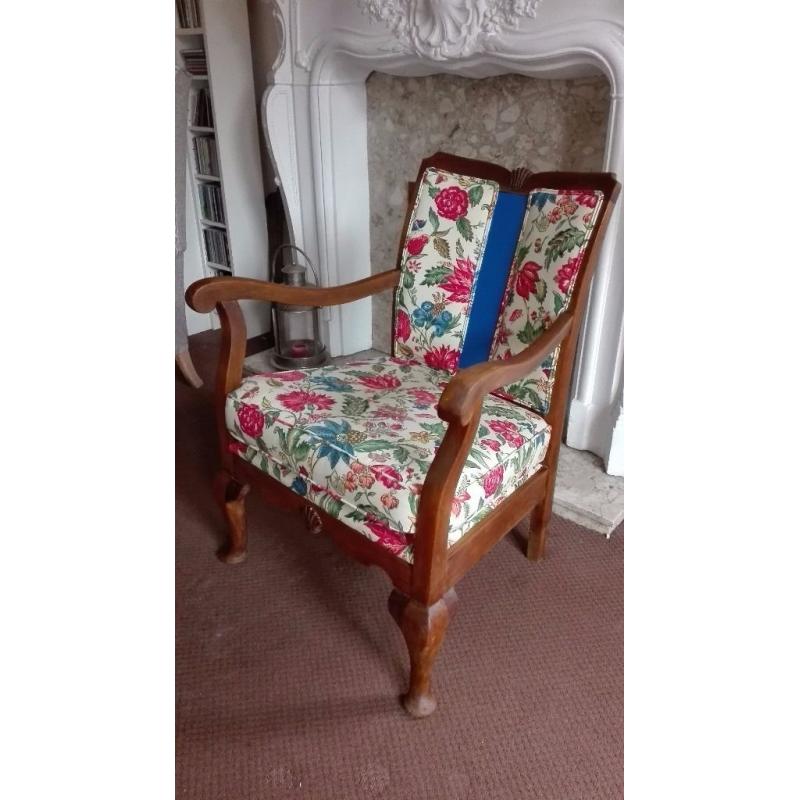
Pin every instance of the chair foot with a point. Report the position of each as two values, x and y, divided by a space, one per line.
230 495
423 627
537 537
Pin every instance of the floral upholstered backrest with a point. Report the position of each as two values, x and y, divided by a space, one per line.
550 252
485 270
442 255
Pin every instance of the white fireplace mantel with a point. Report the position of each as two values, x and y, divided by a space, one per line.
315 119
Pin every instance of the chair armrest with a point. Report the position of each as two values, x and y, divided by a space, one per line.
460 406
463 396
204 294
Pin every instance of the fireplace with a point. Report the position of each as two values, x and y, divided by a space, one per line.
315 115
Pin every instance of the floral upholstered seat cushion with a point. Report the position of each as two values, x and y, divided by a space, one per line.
357 440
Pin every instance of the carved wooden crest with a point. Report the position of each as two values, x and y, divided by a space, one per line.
518 177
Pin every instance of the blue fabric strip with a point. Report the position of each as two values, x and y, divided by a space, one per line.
492 277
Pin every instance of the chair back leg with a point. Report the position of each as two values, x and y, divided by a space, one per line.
540 520
230 495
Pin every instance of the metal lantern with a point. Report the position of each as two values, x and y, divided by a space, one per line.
297 337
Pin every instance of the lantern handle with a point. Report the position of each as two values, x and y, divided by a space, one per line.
299 250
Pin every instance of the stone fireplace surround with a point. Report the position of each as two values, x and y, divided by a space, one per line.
315 119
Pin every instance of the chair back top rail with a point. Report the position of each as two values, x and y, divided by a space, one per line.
521 180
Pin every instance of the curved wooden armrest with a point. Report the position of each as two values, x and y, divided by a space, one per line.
460 406
463 396
204 294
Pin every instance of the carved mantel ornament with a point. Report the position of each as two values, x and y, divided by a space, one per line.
442 29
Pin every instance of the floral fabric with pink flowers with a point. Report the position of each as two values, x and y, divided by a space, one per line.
550 250
357 440
441 258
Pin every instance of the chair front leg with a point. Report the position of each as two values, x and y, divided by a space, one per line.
230 495
423 627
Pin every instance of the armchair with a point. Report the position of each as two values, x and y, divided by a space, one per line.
420 462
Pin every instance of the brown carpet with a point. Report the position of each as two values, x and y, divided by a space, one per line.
288 667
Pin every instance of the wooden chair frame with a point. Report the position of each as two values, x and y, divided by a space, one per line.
423 599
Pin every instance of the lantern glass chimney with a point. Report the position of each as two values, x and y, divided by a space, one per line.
297 328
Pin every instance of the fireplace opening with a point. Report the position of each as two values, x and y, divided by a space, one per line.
512 120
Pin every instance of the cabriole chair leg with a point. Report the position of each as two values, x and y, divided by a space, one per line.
230 495
423 627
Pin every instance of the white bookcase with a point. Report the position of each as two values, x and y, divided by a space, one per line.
224 172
